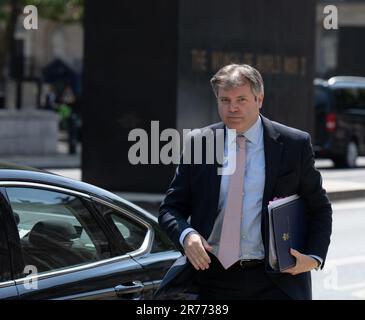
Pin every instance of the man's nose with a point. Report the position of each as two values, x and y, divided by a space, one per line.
232 107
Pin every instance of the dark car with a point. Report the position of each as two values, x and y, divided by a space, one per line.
340 119
65 239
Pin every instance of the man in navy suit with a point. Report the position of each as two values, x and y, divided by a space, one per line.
275 161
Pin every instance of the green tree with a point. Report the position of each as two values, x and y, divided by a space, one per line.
66 11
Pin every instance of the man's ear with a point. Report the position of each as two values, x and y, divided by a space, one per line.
260 99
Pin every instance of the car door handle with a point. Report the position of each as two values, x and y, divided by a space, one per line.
129 287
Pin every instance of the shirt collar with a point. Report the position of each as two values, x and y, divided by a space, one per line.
252 134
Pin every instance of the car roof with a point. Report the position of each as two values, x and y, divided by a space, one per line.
340 82
12 172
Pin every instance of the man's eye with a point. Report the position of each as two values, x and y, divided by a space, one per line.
241 99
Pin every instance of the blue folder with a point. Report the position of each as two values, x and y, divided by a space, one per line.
289 230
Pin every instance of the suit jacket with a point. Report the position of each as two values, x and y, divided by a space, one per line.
289 169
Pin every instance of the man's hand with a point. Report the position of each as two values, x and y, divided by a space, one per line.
304 263
195 247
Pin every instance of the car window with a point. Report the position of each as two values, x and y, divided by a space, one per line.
56 230
322 100
131 233
161 242
350 98
4 252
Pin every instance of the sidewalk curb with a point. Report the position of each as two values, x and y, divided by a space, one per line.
346 195
58 161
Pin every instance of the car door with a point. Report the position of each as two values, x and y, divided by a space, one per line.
129 228
65 251
7 285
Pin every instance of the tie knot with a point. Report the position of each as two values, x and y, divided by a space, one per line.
241 140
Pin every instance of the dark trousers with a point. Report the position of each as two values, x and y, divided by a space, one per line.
237 283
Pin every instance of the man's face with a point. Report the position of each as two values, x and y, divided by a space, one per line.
238 107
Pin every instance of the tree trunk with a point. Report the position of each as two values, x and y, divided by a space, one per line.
7 39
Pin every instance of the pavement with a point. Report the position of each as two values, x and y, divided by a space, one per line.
60 160
343 276
340 184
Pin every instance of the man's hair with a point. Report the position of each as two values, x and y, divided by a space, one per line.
236 75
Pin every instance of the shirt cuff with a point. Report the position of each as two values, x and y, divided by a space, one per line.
317 258
183 235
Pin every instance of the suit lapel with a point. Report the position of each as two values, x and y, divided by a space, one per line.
273 151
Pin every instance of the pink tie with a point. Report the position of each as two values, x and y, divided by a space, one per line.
229 244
